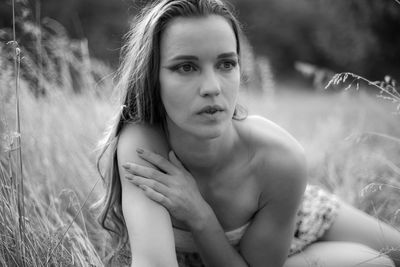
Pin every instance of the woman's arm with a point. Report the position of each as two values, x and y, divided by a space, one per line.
267 240
148 223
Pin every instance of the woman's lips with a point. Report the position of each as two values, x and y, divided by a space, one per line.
211 109
212 113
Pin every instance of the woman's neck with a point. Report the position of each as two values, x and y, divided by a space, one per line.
202 156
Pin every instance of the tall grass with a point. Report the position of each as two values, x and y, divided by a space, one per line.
44 221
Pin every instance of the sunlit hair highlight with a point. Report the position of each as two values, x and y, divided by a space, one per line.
139 89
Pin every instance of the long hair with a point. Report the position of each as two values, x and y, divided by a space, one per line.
138 84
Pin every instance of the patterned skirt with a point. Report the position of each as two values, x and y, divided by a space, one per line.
316 214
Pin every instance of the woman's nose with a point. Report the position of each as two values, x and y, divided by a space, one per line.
210 85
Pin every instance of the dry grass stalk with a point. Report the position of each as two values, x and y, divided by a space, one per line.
387 88
20 178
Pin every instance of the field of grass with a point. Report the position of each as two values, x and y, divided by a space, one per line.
59 135
351 138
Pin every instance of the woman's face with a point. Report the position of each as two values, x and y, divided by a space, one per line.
199 74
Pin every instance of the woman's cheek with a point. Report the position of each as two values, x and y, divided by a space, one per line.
175 99
232 86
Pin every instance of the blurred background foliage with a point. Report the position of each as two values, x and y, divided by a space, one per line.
361 36
357 35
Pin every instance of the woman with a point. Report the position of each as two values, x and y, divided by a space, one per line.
192 181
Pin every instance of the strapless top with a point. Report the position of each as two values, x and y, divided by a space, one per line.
184 241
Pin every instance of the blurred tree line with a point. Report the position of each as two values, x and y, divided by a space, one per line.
361 36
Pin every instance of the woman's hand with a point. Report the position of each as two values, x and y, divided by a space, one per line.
172 186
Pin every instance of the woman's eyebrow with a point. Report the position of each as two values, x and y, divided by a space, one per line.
227 55
185 57
190 57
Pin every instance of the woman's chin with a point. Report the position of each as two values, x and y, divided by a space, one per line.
201 129
210 131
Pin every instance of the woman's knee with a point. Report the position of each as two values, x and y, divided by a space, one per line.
353 225
333 254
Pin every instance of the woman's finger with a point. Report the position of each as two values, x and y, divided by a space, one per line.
144 171
140 181
157 160
155 196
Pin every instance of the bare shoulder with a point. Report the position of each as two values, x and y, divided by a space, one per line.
278 158
132 137
263 132
142 135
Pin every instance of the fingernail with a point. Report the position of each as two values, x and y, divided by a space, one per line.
125 165
139 150
143 187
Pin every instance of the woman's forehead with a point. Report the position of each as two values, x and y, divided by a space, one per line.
197 36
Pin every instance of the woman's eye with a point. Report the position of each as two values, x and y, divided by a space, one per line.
227 65
185 68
